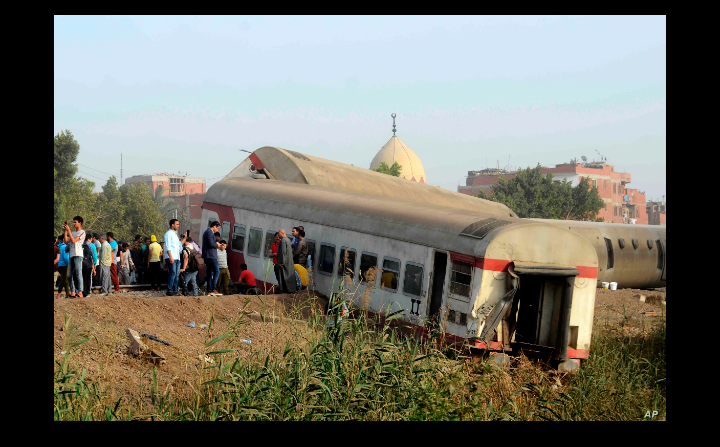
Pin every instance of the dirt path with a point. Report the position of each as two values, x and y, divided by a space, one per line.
105 356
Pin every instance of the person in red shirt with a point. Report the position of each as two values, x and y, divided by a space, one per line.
246 281
273 255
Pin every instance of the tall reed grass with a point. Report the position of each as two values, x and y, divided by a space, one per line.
362 371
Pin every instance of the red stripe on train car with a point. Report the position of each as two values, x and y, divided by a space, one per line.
578 353
256 161
587 272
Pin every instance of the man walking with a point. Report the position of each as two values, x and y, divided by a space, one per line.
105 264
209 255
75 239
62 282
113 265
172 257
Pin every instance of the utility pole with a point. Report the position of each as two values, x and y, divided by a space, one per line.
121 173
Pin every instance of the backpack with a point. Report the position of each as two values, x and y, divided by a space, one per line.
87 261
195 261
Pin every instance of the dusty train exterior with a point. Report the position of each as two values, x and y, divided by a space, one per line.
630 255
641 267
436 260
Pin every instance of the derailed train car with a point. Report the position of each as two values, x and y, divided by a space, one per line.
497 281
631 255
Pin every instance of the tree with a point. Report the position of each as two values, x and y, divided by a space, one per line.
165 204
66 150
141 212
393 170
532 195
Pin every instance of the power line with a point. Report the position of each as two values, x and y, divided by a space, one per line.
91 175
95 169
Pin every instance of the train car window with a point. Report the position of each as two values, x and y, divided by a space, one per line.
621 242
660 254
254 242
349 267
311 250
412 283
368 267
238 238
650 244
225 231
635 243
390 273
327 259
610 254
461 278
269 239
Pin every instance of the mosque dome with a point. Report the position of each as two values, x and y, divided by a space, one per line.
395 150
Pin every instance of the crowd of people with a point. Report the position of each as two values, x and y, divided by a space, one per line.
83 260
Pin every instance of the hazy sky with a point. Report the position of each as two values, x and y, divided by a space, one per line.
185 93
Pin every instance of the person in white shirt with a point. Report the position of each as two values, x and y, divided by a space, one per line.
172 257
75 239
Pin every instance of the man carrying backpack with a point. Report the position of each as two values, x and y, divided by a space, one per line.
191 265
88 266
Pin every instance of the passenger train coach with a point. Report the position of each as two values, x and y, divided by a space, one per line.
532 284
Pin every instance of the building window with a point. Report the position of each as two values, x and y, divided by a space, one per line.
327 259
348 268
412 284
368 267
269 240
610 254
254 242
595 183
604 184
238 238
177 184
391 271
461 278
225 231
614 188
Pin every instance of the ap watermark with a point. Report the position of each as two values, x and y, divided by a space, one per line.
651 414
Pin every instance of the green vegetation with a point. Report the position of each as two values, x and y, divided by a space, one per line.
365 371
532 195
393 170
126 210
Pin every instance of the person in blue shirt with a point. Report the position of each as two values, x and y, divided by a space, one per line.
209 255
62 268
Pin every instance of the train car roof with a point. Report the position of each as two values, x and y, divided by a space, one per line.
598 225
422 223
291 166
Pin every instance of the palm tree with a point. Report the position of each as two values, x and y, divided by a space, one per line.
166 205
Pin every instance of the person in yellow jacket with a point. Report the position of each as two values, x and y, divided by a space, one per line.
303 274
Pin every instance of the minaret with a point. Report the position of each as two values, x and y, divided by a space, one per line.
393 117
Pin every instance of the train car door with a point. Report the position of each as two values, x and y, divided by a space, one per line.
663 247
438 281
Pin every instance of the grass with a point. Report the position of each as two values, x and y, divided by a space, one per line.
366 371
